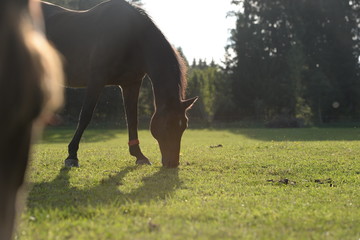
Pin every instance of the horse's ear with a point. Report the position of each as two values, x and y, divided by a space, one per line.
189 102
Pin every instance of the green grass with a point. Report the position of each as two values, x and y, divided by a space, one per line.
236 191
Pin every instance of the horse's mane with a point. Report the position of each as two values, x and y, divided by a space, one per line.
179 60
183 73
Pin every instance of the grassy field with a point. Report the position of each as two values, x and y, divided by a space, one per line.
232 184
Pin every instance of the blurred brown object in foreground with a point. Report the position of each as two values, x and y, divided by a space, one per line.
30 91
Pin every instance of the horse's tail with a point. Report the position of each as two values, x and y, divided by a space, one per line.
30 72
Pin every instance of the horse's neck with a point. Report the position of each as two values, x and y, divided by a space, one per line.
165 74
167 88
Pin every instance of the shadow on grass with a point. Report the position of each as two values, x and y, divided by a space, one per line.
299 134
59 194
64 135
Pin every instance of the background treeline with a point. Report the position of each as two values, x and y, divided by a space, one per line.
288 63
296 60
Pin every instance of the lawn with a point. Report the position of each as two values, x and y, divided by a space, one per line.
231 184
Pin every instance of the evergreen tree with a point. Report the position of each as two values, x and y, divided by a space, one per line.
209 82
292 56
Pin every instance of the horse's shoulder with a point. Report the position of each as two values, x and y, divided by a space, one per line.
111 4
120 9
122 5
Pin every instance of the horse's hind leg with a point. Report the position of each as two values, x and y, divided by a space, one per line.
130 95
91 98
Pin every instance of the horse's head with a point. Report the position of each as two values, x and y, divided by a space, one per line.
167 126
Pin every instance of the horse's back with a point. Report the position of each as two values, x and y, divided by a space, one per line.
110 19
99 39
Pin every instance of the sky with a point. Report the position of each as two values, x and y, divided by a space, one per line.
199 27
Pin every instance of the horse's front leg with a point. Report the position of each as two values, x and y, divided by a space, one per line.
92 94
131 95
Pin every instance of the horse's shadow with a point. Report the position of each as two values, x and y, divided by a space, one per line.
59 193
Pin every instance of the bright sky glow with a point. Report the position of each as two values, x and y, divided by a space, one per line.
199 27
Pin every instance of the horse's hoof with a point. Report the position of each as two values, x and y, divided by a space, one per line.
143 161
71 163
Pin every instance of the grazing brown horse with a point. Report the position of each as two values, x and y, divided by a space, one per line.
30 88
116 43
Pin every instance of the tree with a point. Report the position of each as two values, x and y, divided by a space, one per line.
209 83
328 37
295 55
